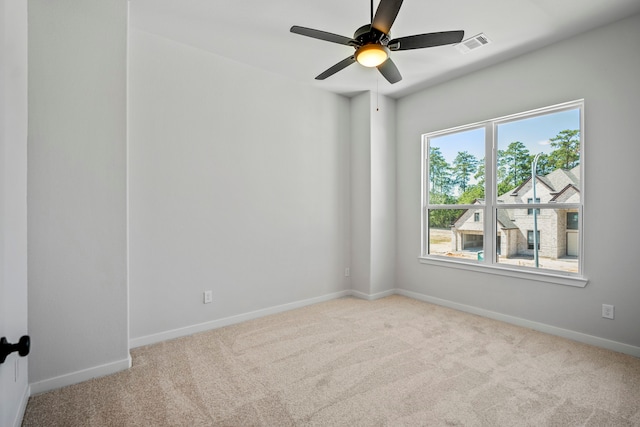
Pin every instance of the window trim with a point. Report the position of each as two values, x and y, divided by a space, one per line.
520 273
489 264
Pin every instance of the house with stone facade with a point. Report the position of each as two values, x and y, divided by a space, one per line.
557 228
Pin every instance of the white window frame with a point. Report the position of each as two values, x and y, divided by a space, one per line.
489 263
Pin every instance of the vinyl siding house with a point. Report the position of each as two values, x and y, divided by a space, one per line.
557 228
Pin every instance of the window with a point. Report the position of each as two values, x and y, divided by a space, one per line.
530 243
572 220
477 181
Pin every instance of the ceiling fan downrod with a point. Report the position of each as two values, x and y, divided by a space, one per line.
371 18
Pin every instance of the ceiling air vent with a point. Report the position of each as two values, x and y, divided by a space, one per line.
473 43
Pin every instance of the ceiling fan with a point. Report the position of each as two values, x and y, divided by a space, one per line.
373 44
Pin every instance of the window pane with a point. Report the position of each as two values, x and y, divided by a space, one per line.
456 168
555 137
572 220
531 243
463 238
558 243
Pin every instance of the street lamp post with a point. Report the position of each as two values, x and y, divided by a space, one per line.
534 167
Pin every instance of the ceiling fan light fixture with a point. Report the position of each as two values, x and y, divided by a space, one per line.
372 55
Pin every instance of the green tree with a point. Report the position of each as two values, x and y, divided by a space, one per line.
441 199
443 218
472 193
545 165
441 185
504 187
479 176
464 165
514 166
439 172
567 149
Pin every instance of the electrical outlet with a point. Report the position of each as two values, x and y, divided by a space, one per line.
607 311
207 297
347 272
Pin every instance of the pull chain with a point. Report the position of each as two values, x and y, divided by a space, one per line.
377 94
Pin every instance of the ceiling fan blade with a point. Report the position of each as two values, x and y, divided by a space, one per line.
420 41
386 14
323 35
390 72
339 66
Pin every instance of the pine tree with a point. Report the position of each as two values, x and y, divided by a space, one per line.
514 166
464 166
439 172
567 149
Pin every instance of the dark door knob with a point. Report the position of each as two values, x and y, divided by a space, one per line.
22 347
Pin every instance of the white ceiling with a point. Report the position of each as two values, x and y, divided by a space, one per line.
256 32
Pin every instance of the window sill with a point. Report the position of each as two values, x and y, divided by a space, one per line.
558 279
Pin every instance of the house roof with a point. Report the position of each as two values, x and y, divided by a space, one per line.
525 185
557 182
560 178
503 216
566 192
561 184
504 220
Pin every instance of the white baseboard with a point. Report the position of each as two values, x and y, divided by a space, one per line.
553 330
372 297
80 376
23 407
110 368
219 323
541 327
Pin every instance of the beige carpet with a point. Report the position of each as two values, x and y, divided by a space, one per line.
349 362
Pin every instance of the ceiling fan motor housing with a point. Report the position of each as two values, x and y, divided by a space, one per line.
368 35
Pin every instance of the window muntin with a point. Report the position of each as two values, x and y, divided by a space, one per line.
549 138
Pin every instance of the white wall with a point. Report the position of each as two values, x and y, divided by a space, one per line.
383 194
601 66
373 183
238 183
77 190
14 388
360 173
